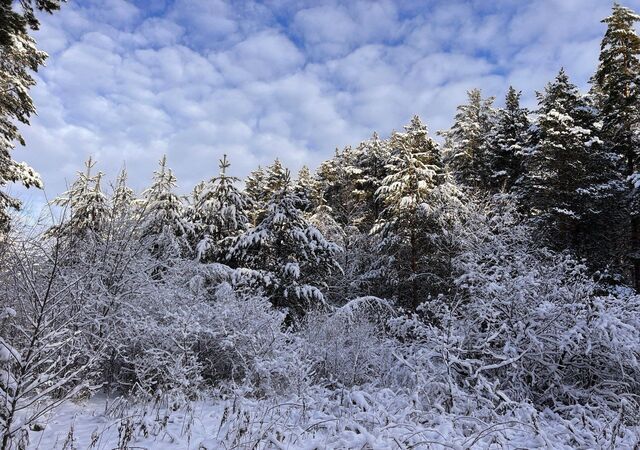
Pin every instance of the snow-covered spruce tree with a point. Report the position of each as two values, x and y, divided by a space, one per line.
219 215
164 226
407 226
274 178
506 142
86 206
336 179
18 57
260 185
570 184
293 256
123 198
616 88
466 141
370 162
616 84
256 192
334 182
307 190
348 182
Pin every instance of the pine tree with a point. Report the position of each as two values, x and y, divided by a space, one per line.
219 215
291 253
415 169
163 221
86 205
569 176
328 174
260 186
466 141
18 56
506 142
616 86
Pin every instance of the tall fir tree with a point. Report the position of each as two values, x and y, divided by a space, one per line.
371 161
570 179
123 197
616 84
466 141
506 142
219 215
616 87
307 189
336 180
274 179
415 169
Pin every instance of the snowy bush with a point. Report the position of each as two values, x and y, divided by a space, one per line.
526 324
245 335
348 345
41 359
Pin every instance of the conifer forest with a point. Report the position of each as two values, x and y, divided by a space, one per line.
468 288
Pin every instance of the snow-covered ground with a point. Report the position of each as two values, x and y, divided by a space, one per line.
100 423
353 419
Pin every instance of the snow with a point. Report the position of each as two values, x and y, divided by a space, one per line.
320 419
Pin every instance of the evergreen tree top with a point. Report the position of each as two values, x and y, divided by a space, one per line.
559 94
512 99
620 46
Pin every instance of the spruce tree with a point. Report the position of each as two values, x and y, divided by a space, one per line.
163 220
616 87
466 141
219 215
255 188
617 84
336 179
307 190
415 169
86 206
274 178
371 160
123 197
570 179
293 256
506 142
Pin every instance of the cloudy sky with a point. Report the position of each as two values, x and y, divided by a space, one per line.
128 81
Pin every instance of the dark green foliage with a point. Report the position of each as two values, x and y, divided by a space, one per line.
570 181
465 145
506 143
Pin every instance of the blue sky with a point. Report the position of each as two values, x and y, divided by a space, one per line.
128 81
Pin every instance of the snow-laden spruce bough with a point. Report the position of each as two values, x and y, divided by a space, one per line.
405 295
